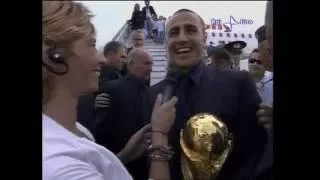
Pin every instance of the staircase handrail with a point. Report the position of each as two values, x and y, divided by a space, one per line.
123 34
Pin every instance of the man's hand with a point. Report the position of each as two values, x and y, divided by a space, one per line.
102 100
265 116
136 145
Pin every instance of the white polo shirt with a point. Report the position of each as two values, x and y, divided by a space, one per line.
69 157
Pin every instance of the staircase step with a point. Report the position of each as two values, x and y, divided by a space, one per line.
156 50
155 47
159 58
159 63
159 69
158 54
158 74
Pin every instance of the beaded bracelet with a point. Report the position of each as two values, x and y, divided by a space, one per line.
160 153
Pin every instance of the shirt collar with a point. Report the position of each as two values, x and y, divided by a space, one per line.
197 73
53 128
268 77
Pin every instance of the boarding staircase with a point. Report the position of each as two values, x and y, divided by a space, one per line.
157 51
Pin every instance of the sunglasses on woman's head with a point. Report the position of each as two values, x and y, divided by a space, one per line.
251 61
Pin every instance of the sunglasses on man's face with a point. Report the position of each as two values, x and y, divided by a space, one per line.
251 61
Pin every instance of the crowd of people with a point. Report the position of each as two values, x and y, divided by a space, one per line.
103 121
148 21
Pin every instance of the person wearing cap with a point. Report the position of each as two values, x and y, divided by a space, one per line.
235 49
221 59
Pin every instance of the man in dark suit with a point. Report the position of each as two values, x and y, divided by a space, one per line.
229 95
115 53
127 111
148 14
137 39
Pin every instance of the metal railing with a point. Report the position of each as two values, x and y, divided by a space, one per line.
123 35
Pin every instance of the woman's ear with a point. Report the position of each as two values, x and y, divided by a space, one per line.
45 48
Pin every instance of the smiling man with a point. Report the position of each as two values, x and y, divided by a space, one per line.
229 95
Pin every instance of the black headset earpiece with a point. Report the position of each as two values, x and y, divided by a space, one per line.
55 56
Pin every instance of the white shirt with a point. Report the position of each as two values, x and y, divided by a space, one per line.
154 24
85 131
265 89
160 24
148 14
69 157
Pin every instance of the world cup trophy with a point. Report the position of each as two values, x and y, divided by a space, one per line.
206 144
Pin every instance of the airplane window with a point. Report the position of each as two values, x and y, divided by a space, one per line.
213 34
228 34
242 35
235 35
220 34
249 35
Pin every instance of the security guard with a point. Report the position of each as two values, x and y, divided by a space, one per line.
235 49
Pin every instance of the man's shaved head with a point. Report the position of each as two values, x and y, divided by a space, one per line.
138 53
140 63
185 29
190 11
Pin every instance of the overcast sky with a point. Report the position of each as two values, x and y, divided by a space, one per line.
111 15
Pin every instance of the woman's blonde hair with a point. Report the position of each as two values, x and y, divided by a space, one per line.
63 23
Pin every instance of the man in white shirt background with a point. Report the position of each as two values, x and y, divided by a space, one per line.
261 77
267 61
161 29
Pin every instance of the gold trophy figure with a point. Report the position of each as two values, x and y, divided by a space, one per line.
206 144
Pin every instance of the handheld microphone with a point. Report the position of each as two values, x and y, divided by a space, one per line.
170 85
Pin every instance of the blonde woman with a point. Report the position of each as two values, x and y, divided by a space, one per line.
71 69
